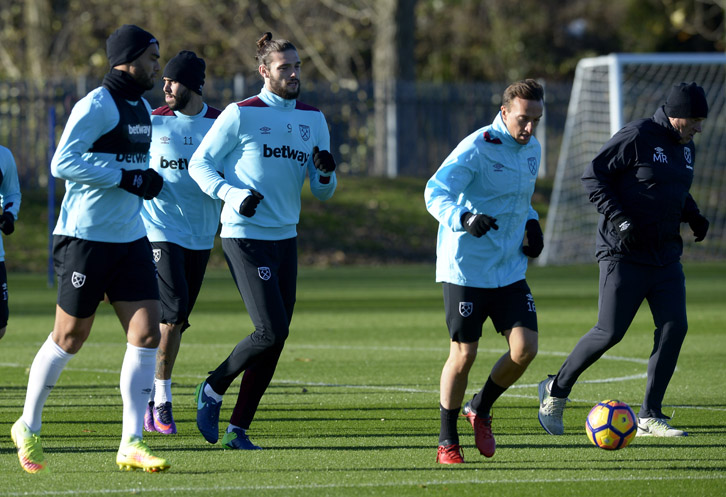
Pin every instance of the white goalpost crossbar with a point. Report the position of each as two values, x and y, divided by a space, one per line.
609 91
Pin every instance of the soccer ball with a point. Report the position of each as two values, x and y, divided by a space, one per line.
611 425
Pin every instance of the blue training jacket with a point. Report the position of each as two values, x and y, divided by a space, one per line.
181 213
94 207
487 173
264 143
9 188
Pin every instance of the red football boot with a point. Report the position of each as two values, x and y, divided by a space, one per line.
449 454
482 431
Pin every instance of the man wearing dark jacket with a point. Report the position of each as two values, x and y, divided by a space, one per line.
639 182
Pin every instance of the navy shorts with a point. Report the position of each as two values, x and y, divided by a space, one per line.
181 273
467 308
87 270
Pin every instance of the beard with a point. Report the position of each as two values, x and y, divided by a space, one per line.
145 82
279 87
181 99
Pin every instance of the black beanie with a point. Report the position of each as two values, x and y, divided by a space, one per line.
127 43
687 100
188 69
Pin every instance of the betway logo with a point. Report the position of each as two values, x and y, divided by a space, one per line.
285 153
139 129
181 163
137 158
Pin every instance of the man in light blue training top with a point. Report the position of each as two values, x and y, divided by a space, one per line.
266 146
10 200
180 222
481 196
100 245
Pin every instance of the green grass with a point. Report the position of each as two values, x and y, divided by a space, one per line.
353 407
368 220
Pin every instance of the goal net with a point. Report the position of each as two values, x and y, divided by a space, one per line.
608 92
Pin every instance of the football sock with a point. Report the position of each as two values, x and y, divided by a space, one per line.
232 427
483 401
209 391
137 378
44 373
162 391
448 431
152 395
255 381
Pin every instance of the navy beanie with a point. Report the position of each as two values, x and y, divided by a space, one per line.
188 69
127 43
687 100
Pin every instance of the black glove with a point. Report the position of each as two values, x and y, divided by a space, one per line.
7 222
626 230
535 240
145 183
323 161
699 225
478 224
249 205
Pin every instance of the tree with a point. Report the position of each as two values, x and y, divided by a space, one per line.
704 18
344 43
393 67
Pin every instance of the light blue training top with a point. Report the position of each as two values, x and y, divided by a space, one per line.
10 196
94 207
487 173
181 213
263 143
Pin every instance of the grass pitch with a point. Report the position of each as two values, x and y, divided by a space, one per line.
353 407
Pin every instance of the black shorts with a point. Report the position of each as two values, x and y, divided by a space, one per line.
4 310
181 273
467 308
87 270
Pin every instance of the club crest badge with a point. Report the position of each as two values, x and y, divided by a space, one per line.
687 154
78 279
532 163
157 254
304 132
466 308
264 273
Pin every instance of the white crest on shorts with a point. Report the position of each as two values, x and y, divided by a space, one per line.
78 279
157 254
264 272
465 308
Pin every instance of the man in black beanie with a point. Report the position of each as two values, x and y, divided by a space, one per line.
181 221
100 249
639 182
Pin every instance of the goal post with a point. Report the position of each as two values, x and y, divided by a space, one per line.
607 93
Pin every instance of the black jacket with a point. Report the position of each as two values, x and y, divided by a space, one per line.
644 173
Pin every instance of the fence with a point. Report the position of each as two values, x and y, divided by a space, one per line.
424 121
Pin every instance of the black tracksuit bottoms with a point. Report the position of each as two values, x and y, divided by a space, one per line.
265 272
623 287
